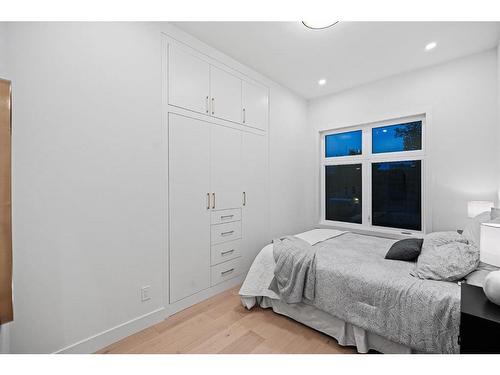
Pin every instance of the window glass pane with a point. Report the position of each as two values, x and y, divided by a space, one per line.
343 193
396 194
343 144
393 138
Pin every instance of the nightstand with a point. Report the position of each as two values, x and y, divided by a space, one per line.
479 322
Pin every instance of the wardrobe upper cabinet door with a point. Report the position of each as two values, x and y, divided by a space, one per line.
225 90
255 105
188 80
189 185
225 167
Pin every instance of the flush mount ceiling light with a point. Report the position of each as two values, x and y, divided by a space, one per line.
322 82
430 46
317 25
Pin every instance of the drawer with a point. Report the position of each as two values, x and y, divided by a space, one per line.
225 232
226 216
225 271
225 251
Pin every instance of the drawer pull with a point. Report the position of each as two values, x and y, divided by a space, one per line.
223 217
227 233
227 252
224 273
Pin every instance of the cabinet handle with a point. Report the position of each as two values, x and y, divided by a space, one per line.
208 201
213 106
244 115
226 217
227 233
244 198
223 273
227 252
213 201
207 105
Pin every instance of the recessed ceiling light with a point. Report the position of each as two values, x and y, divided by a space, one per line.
316 25
430 46
322 82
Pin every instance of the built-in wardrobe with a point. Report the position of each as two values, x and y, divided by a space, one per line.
217 120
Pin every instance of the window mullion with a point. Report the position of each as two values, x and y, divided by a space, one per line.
366 189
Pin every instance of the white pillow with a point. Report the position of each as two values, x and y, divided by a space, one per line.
472 230
319 235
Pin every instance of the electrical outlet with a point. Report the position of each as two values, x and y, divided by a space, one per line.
145 293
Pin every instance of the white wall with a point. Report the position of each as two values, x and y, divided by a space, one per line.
292 157
90 180
498 123
3 50
462 98
4 333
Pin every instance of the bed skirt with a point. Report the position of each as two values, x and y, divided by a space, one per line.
345 333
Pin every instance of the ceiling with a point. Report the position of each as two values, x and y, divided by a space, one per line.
346 55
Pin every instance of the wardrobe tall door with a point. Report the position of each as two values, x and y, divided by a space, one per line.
189 154
255 105
225 92
225 167
255 213
188 81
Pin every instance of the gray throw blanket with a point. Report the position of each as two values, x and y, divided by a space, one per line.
295 272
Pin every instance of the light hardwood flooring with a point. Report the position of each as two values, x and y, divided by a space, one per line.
222 325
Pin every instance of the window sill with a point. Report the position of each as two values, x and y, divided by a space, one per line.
370 231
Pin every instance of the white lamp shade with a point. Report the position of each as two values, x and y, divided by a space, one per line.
490 244
475 208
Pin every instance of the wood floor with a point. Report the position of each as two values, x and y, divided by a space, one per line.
222 325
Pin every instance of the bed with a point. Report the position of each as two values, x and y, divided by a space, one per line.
364 300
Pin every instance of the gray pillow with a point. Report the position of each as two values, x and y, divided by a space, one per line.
442 238
472 230
495 213
445 259
408 249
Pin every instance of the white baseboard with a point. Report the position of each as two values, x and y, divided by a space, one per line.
204 294
110 336
4 339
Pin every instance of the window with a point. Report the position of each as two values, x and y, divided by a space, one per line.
343 193
393 138
343 144
396 194
373 175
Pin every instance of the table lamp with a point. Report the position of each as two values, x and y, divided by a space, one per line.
490 254
475 208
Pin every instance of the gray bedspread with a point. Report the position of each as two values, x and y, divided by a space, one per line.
295 272
356 284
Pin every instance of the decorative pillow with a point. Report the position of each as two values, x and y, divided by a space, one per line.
472 230
442 238
448 262
408 249
495 213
